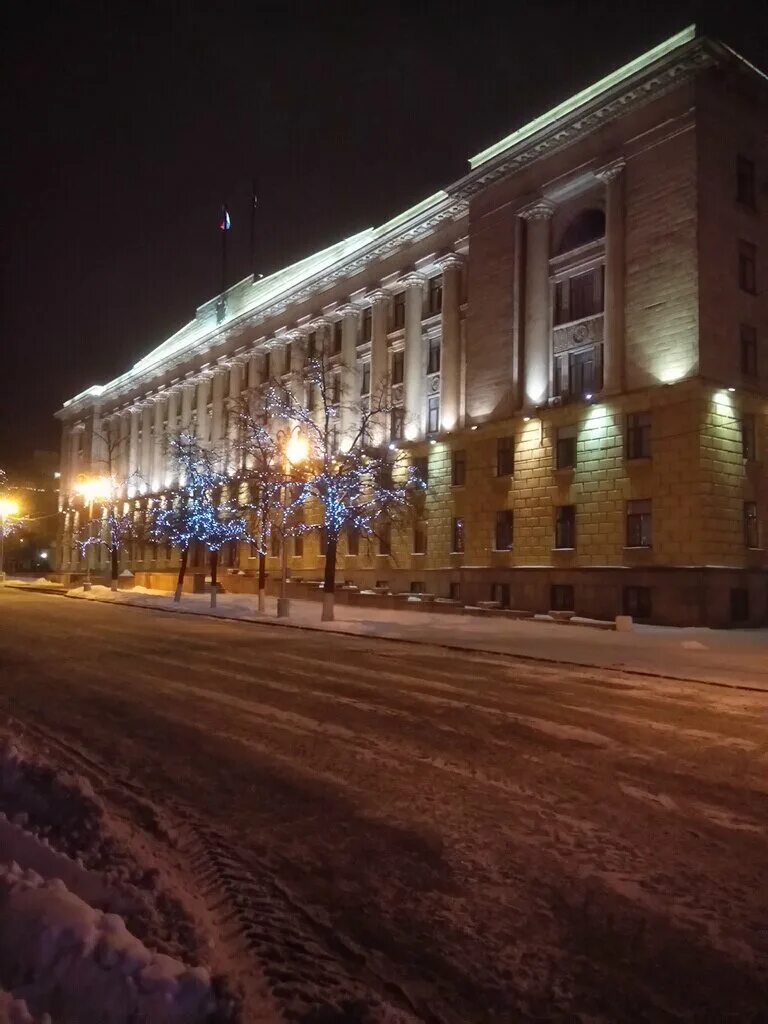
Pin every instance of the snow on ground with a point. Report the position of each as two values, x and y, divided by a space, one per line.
734 657
64 947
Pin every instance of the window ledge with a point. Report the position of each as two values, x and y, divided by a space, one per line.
755 549
640 460
564 549
502 551
638 547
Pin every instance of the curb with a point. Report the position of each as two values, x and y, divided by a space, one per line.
535 659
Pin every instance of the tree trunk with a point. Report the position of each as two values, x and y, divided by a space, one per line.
214 581
262 577
115 567
182 574
329 581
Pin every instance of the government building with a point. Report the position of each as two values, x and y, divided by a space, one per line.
574 339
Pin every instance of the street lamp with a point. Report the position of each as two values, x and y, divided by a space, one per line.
295 449
8 508
91 489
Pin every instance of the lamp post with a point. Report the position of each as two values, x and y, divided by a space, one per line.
91 489
294 450
8 508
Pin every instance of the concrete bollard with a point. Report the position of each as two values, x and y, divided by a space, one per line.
624 624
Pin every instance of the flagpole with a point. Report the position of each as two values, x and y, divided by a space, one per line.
253 228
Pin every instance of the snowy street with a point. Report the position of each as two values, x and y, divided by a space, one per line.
464 838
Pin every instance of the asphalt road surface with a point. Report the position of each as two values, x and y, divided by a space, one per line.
473 838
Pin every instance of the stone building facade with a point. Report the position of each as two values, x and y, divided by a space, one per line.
576 331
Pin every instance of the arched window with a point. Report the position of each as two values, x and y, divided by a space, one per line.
587 226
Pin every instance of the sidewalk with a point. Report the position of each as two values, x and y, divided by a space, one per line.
724 657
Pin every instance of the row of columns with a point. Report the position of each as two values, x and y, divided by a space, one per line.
536 356
140 431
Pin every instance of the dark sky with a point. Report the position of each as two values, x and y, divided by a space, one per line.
124 127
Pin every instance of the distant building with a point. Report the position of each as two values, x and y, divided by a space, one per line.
34 485
579 325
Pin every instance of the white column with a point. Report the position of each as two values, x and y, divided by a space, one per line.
133 450
538 344
379 361
414 358
187 400
147 448
124 453
174 402
613 323
450 356
217 412
203 391
158 446
350 385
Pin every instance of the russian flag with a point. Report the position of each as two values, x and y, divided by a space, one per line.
226 221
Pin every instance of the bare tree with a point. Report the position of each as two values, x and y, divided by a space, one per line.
357 483
198 512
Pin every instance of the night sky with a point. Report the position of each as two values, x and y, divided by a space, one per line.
124 128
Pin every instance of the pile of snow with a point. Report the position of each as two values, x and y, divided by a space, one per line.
57 951
16 1011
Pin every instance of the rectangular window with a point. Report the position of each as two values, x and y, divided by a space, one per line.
353 540
579 297
335 395
454 591
433 356
501 593
267 365
637 602
420 538
748 338
416 587
748 267
288 357
639 435
367 324
365 378
505 456
323 540
565 451
421 468
433 414
751 525
398 311
458 535
274 544
312 345
459 469
385 540
434 296
561 597
748 437
639 524
396 421
565 526
745 181
336 337
298 545
398 367
504 520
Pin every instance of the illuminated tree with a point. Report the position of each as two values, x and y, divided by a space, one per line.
357 484
198 513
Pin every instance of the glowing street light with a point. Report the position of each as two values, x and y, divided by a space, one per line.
295 449
8 509
92 489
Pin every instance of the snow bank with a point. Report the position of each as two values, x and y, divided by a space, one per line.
56 950
16 1011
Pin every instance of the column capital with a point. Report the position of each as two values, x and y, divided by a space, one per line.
376 296
350 309
609 172
413 280
541 209
451 259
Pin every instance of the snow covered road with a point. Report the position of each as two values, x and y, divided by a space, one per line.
469 838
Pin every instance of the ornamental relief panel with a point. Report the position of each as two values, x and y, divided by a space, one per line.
569 336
